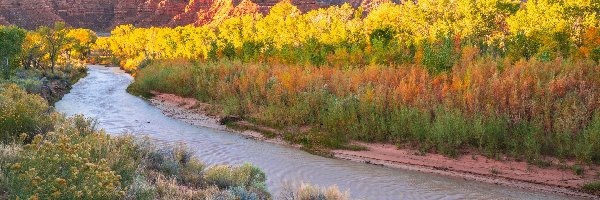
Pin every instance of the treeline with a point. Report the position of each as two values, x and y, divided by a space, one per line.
500 76
430 33
46 61
44 47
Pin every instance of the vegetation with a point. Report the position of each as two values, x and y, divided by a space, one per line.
501 76
309 192
479 106
592 187
11 39
22 113
73 160
431 33
29 54
41 49
45 155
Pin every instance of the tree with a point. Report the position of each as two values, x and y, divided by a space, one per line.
56 38
281 26
32 50
82 43
11 40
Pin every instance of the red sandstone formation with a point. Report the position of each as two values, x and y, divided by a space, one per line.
103 15
3 21
245 7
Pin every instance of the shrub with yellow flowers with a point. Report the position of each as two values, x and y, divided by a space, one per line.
22 113
69 163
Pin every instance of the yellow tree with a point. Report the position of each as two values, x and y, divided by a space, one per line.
33 50
237 30
333 25
83 41
281 26
56 39
197 42
555 25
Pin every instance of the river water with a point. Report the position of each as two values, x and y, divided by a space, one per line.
101 95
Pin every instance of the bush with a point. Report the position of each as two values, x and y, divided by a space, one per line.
21 112
439 57
68 164
165 77
592 187
245 177
178 163
588 145
309 192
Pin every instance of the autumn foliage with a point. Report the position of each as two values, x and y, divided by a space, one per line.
526 108
500 76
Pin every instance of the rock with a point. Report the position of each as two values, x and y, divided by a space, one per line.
54 90
3 21
228 119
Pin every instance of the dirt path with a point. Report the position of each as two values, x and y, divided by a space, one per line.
472 167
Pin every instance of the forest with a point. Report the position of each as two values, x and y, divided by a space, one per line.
499 76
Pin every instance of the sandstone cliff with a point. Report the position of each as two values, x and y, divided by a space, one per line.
103 15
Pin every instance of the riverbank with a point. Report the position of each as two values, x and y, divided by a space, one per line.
50 86
559 177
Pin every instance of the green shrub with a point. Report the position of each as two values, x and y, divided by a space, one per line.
520 46
67 165
310 192
587 148
224 176
491 134
177 162
21 112
595 54
439 57
449 132
140 189
243 180
165 77
592 187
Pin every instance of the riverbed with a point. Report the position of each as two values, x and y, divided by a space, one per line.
102 95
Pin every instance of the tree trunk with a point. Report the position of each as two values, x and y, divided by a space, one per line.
29 61
7 69
68 60
53 61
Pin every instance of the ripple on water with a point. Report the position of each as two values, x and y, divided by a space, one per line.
102 95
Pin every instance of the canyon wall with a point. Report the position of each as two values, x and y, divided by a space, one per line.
103 15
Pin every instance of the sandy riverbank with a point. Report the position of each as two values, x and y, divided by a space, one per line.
471 166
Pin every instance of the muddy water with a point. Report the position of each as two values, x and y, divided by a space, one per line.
101 95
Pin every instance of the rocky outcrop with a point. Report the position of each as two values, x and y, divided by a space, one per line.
3 21
103 15
145 13
245 7
28 13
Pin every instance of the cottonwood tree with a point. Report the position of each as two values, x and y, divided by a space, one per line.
11 39
56 38
32 50
82 41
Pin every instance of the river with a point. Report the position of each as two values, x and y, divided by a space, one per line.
102 96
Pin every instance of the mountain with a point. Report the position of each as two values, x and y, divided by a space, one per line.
103 15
